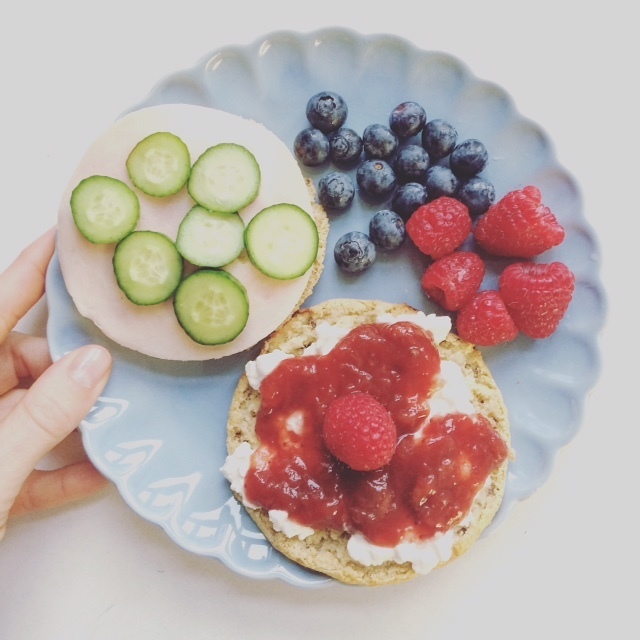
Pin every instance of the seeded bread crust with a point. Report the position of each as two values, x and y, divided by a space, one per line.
326 551
321 219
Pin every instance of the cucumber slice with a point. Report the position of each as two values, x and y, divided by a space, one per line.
210 238
225 178
159 165
148 267
212 306
104 209
282 241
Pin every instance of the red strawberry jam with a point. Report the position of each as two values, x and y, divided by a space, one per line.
434 474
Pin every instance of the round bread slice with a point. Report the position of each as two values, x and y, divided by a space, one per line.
154 330
326 551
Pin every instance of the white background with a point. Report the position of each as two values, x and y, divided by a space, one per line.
566 562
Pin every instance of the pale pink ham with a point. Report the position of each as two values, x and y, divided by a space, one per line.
87 268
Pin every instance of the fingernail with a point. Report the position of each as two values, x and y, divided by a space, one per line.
89 366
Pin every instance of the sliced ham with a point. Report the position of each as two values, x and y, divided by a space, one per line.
87 268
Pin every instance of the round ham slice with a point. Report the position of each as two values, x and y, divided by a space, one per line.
87 268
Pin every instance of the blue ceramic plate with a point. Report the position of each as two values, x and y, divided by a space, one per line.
159 430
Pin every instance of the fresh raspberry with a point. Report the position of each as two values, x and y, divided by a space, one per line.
359 431
452 281
485 320
537 295
439 227
519 226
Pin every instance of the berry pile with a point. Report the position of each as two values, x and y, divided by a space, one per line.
531 297
402 164
411 159
433 192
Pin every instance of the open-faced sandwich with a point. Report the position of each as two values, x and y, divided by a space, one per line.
368 442
189 233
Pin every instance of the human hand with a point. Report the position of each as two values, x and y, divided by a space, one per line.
41 403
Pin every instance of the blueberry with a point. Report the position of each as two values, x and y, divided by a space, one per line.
407 198
441 181
336 190
376 178
354 252
439 138
379 141
345 145
326 111
386 229
478 194
407 119
468 158
411 163
311 147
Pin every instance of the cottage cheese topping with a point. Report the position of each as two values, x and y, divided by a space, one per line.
235 469
257 370
453 395
424 555
281 522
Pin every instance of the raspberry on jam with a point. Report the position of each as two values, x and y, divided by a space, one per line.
359 431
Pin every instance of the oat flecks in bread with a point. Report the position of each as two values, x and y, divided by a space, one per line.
322 222
326 551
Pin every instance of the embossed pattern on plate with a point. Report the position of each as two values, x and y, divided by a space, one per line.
159 430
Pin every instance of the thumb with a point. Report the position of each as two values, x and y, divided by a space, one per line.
49 411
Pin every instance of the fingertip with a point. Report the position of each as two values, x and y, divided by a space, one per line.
52 407
90 365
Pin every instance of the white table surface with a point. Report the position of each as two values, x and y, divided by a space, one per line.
565 562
